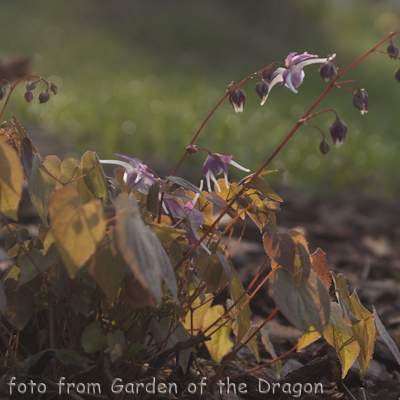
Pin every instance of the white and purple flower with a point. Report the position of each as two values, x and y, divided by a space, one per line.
215 164
136 175
292 75
189 216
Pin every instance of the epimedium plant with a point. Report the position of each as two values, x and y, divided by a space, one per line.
118 286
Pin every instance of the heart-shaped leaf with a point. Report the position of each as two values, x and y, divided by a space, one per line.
219 345
77 228
42 182
11 177
305 304
107 266
341 337
282 249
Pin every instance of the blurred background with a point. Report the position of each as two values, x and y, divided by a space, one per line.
138 78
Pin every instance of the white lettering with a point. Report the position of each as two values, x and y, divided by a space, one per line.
191 388
265 382
11 383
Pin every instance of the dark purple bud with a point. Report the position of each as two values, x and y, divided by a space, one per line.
44 97
397 74
28 96
237 98
31 85
327 70
360 100
262 89
266 75
338 131
53 88
192 149
3 92
393 49
324 147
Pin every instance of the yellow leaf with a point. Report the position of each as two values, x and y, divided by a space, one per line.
11 176
364 331
341 337
200 310
42 182
77 229
219 345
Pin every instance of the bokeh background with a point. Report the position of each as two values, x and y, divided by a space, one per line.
138 77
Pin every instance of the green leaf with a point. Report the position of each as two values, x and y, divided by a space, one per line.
71 357
107 266
11 176
116 344
42 182
341 337
92 338
20 303
3 299
252 344
270 348
282 249
134 348
77 229
305 304
95 179
364 332
161 329
219 345
386 337
244 315
211 270
43 261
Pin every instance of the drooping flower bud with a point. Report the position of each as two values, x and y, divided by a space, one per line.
360 100
3 92
262 89
237 98
397 74
44 97
324 147
338 131
327 70
393 50
53 88
28 96
31 85
266 75
192 149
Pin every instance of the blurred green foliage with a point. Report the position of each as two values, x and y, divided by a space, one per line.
139 77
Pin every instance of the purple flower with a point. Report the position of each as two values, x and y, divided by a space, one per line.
360 100
215 164
191 217
338 131
292 75
136 175
237 98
